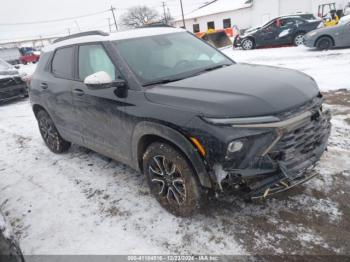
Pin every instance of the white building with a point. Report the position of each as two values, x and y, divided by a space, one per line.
221 14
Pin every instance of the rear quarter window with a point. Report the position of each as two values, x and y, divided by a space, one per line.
62 63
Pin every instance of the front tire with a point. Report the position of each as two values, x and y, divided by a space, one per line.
50 135
248 44
172 180
299 39
324 43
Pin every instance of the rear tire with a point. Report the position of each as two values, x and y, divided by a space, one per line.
324 43
172 180
299 39
50 135
248 44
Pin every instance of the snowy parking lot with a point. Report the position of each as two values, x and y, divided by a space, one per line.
84 203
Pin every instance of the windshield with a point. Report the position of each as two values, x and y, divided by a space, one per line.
169 57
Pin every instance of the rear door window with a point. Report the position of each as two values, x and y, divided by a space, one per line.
299 21
62 63
92 59
287 22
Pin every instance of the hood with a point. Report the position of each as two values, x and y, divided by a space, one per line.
251 31
7 69
325 30
9 73
240 90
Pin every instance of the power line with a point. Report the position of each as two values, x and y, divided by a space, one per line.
54 20
54 34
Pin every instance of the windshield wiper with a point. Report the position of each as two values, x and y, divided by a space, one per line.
169 80
163 81
216 67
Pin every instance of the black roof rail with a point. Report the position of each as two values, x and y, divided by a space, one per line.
96 32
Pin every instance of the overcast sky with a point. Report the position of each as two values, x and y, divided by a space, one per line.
23 11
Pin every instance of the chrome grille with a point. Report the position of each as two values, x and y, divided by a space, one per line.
303 145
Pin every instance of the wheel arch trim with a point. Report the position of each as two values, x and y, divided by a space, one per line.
149 129
322 36
37 107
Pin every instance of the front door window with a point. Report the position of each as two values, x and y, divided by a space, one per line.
93 59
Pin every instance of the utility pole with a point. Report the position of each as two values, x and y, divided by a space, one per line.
68 29
115 21
183 16
41 39
76 22
165 16
109 25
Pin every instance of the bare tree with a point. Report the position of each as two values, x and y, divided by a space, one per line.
139 16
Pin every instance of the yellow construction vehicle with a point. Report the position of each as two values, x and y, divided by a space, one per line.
216 38
329 13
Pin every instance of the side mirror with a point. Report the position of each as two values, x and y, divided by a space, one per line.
99 80
121 90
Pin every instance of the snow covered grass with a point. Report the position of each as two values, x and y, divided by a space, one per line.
331 69
83 203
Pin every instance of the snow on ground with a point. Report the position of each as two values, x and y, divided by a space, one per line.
331 69
83 203
27 69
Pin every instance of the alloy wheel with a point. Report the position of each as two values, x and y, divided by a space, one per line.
167 180
49 133
299 40
247 44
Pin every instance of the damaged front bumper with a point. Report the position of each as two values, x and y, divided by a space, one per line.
237 42
12 88
285 162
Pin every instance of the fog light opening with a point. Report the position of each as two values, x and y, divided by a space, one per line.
235 146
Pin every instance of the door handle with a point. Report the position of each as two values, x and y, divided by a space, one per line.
78 92
44 85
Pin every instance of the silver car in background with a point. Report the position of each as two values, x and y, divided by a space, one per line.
329 37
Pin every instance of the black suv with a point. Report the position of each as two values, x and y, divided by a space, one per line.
192 120
285 30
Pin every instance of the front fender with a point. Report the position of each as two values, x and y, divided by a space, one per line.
150 128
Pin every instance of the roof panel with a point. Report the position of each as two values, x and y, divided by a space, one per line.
135 33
